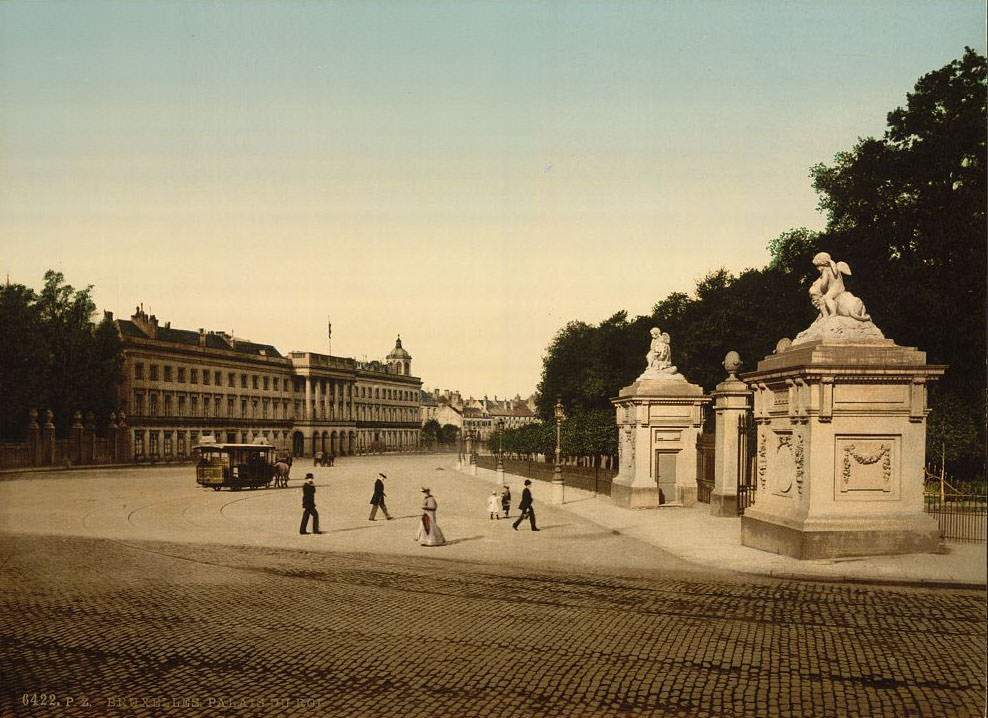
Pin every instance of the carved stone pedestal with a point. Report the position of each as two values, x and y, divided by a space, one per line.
658 424
841 451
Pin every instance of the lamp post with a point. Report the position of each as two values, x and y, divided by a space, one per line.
557 472
472 450
500 450
459 449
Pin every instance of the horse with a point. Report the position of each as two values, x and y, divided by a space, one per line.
281 470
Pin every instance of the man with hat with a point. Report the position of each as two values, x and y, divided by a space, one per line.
377 500
309 506
526 508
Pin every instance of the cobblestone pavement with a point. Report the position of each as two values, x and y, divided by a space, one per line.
111 627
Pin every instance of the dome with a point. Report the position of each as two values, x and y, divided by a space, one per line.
398 352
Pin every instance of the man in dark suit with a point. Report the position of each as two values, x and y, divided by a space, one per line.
526 508
309 506
377 500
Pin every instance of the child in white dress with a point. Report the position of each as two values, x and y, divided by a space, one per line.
494 506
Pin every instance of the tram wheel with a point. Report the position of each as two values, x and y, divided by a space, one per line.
216 488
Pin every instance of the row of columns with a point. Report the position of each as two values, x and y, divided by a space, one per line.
340 398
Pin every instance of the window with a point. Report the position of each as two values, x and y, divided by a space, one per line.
153 443
168 373
265 383
243 408
229 406
194 409
193 376
181 406
154 405
139 443
168 405
205 406
154 372
253 381
243 381
216 406
138 403
231 379
217 378
168 443
205 376
181 375
181 443
138 371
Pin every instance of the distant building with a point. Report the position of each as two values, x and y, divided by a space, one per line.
180 385
479 415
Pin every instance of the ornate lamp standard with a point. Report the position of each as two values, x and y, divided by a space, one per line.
500 450
472 450
557 472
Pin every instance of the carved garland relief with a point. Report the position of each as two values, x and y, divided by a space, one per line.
884 454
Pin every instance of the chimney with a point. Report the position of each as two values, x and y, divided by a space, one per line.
202 337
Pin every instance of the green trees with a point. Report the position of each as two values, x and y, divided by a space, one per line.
906 211
431 432
52 355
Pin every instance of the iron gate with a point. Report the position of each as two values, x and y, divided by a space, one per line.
747 438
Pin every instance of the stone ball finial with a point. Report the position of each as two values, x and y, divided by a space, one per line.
732 362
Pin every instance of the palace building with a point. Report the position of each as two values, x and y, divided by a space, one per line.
180 385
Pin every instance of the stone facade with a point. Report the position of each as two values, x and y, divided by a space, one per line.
180 385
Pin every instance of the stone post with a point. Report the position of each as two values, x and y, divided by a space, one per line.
111 439
732 401
125 453
77 449
48 437
34 438
90 439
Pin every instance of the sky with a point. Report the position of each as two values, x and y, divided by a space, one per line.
469 175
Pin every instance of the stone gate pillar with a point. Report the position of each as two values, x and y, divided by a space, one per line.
732 401
659 418
48 437
77 447
841 414
34 438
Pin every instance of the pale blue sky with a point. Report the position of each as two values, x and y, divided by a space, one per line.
471 175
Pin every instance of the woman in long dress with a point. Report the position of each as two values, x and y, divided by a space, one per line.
429 533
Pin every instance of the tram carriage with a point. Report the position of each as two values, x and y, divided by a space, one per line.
236 466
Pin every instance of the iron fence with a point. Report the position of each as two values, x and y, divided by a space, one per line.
960 507
587 478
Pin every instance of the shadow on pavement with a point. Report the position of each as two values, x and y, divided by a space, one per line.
462 540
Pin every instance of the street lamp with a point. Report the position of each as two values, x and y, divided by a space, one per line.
500 449
472 450
557 472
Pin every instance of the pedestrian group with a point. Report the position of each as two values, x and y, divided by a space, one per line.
429 533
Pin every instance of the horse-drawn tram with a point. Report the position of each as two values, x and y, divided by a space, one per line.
236 466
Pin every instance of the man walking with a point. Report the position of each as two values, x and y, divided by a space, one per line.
309 506
377 500
527 510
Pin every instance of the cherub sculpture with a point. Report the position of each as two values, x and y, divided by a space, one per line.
828 293
657 358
